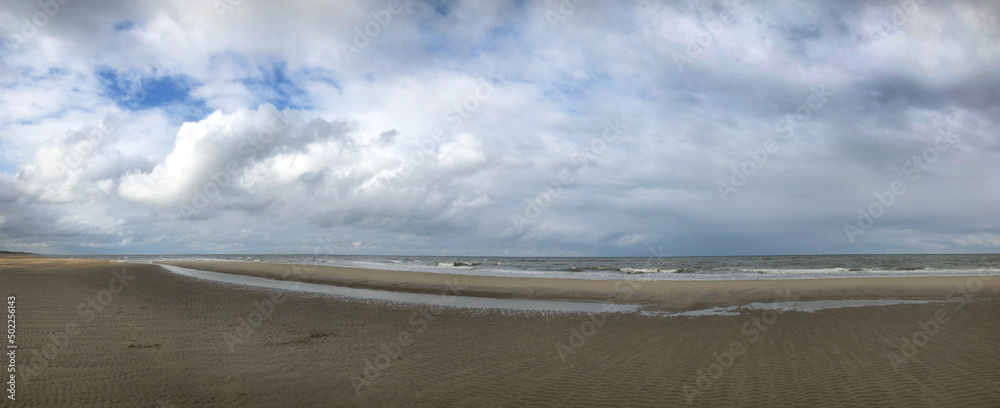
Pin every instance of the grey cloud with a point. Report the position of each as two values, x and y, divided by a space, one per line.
340 168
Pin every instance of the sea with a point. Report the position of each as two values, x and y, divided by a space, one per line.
641 268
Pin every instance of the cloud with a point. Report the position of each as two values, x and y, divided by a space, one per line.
139 127
221 145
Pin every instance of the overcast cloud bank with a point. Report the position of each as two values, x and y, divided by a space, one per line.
402 127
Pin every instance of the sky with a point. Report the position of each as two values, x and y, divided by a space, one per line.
548 128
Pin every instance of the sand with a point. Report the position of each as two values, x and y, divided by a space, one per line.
169 340
666 295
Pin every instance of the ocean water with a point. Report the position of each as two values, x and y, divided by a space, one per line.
660 268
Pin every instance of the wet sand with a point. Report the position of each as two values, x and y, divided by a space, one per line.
666 295
147 337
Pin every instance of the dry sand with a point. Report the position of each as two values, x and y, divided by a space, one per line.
161 340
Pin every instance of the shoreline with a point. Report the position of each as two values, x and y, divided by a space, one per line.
674 268
670 295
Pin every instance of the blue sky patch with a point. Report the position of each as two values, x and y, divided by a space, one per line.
273 86
139 92
124 25
322 75
6 167
442 7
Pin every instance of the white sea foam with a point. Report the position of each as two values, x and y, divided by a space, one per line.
808 306
789 271
646 270
457 264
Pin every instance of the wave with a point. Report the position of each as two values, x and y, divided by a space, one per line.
645 270
819 271
582 269
838 270
458 264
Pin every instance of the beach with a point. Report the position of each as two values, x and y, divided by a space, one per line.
99 333
666 295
